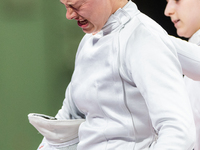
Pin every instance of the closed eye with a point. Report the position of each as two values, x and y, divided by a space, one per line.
72 6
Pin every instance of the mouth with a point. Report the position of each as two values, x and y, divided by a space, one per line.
175 21
82 23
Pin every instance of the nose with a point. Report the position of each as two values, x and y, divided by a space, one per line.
71 14
170 8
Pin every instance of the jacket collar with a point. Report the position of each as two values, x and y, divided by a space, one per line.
119 18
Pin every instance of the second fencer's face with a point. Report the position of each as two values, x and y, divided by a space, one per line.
91 15
185 14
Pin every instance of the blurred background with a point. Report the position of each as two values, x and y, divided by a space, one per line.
37 50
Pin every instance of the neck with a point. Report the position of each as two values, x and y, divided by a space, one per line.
118 4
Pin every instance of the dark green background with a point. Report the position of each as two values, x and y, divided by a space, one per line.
37 50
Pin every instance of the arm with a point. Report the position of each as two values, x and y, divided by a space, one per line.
60 133
54 131
157 74
69 110
189 57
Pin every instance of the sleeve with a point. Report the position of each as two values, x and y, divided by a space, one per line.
56 127
189 57
65 127
69 109
156 71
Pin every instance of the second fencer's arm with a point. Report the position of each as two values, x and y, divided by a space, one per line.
189 57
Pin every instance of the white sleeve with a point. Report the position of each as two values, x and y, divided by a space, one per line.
69 109
156 72
189 57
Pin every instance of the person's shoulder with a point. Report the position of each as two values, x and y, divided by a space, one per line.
146 31
84 39
144 35
148 25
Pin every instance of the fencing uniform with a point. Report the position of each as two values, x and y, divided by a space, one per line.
193 88
128 85
189 57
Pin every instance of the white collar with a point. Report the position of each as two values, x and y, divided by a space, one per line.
119 18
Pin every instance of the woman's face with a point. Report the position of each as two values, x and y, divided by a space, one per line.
91 15
185 14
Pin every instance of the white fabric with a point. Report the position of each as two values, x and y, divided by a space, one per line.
46 146
189 57
193 88
138 103
57 133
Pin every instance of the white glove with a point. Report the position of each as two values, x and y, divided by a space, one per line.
45 146
58 133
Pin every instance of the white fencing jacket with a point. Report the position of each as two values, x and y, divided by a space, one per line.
128 84
193 88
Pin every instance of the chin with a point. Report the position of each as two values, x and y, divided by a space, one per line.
88 31
183 34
